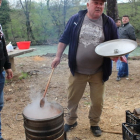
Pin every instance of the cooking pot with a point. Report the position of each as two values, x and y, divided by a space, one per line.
47 128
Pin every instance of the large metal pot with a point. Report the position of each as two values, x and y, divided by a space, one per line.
47 128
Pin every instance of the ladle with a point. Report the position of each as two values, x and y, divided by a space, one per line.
42 101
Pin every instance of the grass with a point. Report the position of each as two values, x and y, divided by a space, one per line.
8 81
87 103
23 75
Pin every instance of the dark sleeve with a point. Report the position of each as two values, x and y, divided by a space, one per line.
65 38
7 64
110 30
131 33
114 31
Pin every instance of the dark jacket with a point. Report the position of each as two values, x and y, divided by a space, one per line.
4 60
71 37
127 31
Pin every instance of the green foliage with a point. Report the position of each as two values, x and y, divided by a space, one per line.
17 29
24 75
87 103
47 19
40 24
73 10
4 12
5 16
8 81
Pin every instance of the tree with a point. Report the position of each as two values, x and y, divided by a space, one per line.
5 17
61 11
67 5
15 32
112 9
42 25
55 9
26 8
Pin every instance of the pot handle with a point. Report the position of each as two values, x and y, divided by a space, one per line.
67 113
17 117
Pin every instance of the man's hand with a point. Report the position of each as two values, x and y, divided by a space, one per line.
60 50
122 58
114 58
55 62
9 74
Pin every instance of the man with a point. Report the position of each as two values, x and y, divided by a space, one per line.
118 23
4 62
83 32
125 32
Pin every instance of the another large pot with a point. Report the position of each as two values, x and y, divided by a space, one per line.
46 128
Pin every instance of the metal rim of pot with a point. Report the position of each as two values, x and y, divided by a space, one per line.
62 109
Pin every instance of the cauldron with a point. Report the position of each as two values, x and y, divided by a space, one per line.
51 128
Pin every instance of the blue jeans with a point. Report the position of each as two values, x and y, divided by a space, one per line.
118 64
123 68
2 81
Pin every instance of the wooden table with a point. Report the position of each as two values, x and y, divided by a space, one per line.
17 52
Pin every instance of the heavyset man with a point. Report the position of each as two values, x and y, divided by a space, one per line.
4 62
83 32
126 31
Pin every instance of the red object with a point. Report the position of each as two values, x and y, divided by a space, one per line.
122 58
24 44
115 59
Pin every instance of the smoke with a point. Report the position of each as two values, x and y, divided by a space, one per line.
34 111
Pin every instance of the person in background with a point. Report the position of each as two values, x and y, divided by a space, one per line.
83 32
118 24
126 31
4 64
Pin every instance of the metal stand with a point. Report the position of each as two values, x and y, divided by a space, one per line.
65 136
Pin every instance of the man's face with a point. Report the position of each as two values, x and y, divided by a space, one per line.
118 23
95 8
125 20
0 2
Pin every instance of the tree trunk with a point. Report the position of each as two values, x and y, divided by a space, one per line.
26 9
112 9
13 34
54 15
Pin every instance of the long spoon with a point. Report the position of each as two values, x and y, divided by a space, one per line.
42 101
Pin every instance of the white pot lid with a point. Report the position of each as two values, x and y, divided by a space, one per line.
117 47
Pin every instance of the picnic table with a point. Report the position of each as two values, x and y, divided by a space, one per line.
17 52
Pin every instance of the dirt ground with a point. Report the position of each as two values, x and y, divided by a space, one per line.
119 97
